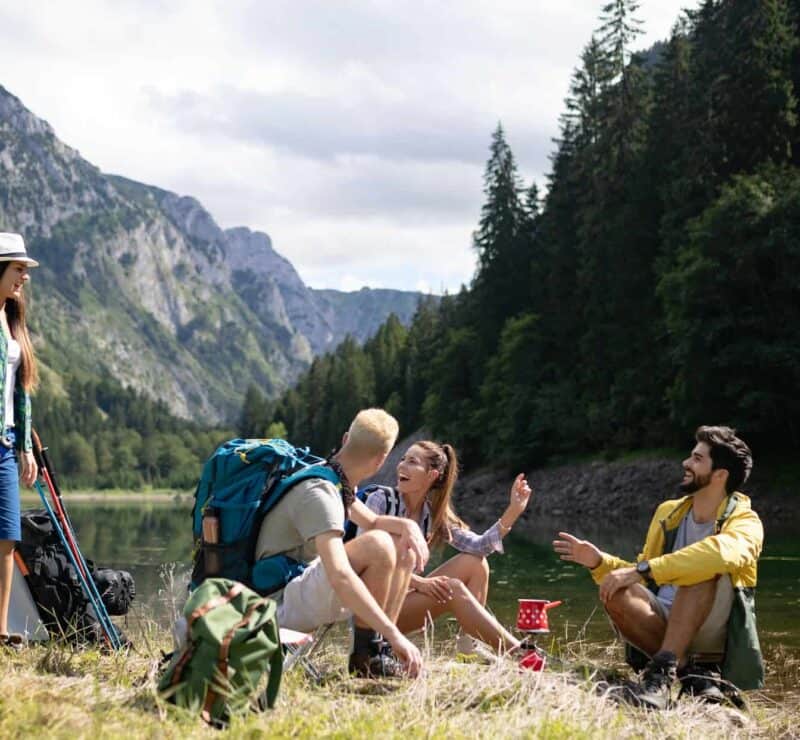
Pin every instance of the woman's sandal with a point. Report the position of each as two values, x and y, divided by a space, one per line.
15 641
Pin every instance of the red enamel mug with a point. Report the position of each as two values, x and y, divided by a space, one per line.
532 614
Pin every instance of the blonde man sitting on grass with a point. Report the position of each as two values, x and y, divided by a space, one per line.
365 579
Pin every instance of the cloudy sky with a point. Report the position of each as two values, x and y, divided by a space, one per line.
354 133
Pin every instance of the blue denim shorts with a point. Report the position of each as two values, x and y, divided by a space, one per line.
9 491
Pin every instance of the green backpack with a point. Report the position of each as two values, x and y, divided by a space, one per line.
232 638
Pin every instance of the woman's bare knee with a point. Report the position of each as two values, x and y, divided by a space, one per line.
460 590
479 565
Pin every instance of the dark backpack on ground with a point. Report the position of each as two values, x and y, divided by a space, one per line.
55 585
117 590
239 485
230 637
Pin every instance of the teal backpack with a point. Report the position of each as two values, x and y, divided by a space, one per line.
230 637
240 484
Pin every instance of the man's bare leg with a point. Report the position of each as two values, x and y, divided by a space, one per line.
386 573
374 558
631 610
401 577
690 609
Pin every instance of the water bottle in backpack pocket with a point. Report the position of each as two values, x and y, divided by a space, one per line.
240 484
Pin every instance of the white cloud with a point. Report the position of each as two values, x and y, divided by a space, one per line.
353 132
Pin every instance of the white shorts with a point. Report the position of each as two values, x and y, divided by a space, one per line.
708 644
309 601
710 638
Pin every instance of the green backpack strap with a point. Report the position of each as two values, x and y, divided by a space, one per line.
733 500
276 659
233 638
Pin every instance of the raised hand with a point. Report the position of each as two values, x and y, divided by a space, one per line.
519 496
573 550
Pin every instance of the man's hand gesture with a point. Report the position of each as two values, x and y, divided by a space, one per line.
578 551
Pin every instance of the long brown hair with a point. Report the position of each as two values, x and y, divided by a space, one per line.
443 459
28 373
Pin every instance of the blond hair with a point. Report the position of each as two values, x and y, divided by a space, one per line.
373 432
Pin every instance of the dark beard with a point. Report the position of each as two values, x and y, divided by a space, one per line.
694 485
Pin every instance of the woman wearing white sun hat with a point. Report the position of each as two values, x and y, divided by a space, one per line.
18 377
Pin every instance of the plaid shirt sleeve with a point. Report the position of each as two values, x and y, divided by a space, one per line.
376 503
484 544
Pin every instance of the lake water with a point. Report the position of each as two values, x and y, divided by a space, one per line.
144 538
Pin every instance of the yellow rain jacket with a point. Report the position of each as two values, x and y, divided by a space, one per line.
733 549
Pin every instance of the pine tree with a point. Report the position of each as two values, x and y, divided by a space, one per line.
757 115
733 309
500 283
253 419
386 350
424 340
618 31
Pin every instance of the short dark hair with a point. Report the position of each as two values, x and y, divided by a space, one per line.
728 452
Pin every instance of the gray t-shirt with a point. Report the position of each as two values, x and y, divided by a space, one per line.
689 532
312 507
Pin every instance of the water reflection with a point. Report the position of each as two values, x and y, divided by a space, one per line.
142 537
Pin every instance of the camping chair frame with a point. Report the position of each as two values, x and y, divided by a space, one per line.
300 652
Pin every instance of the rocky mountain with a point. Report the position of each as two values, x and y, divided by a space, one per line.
144 285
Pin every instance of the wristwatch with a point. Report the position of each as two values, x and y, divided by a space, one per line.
643 568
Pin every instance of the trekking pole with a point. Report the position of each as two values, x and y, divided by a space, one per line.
63 525
66 531
86 582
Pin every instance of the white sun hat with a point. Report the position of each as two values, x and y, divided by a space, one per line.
12 249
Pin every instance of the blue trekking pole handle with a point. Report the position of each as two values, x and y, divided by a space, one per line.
92 593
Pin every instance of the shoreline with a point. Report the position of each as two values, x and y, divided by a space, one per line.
580 495
127 497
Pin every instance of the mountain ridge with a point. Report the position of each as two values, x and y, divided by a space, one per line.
143 284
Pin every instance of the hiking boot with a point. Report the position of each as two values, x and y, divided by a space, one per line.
379 665
653 691
702 683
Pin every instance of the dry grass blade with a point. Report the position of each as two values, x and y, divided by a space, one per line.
56 691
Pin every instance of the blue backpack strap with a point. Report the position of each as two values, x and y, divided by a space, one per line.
392 501
272 573
285 485
362 494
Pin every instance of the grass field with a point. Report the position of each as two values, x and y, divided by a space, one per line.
56 691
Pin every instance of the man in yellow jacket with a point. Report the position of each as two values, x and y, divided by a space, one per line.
688 600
